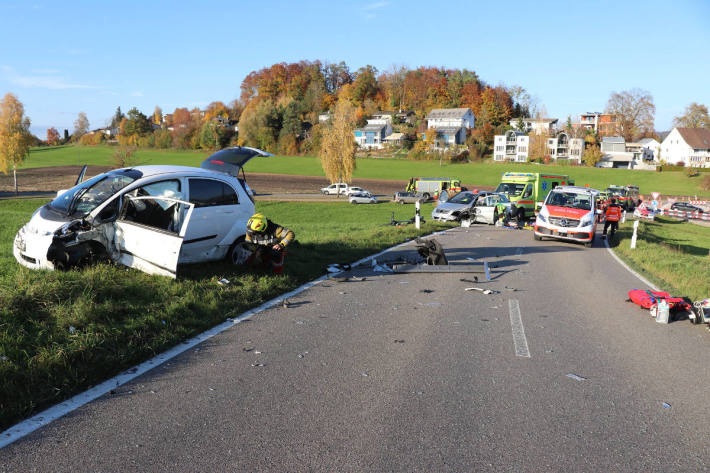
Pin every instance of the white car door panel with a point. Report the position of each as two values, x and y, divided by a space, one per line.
149 233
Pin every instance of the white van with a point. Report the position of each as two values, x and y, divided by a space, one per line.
568 213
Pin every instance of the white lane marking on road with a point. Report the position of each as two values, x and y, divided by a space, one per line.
643 280
516 322
43 418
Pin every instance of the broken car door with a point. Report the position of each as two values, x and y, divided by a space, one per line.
149 233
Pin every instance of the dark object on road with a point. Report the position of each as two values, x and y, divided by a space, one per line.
432 251
399 223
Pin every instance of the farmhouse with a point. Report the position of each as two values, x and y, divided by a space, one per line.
691 146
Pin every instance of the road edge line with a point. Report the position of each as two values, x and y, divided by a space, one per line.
29 425
628 268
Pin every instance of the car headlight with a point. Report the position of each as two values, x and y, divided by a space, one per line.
586 221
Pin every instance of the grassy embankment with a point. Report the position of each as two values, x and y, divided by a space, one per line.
121 317
480 174
672 254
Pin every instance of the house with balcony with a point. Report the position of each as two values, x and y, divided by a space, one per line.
513 146
617 153
539 126
372 135
688 145
603 124
562 147
451 125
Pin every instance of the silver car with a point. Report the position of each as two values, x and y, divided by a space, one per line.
486 208
362 198
450 211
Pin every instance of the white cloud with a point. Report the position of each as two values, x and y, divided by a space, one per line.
41 79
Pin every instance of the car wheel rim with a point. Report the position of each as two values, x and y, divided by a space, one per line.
240 254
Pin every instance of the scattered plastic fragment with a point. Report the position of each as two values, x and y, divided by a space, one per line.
549 351
299 322
257 352
510 289
247 349
301 355
666 405
485 291
72 329
404 282
211 389
433 303
257 365
426 291
575 377
223 282
399 341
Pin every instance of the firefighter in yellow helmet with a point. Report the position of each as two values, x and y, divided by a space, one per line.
268 242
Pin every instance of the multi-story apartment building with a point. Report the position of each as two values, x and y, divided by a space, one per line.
515 146
374 133
539 126
603 124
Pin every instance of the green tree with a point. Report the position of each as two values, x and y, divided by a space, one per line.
337 151
136 123
260 125
117 117
520 125
211 135
15 137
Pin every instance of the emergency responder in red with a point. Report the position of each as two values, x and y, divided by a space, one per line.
267 241
613 215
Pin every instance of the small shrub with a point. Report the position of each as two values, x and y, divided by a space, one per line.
691 172
123 157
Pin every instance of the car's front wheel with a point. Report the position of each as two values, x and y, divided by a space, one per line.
238 253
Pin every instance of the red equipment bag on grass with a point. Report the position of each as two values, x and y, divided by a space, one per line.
646 299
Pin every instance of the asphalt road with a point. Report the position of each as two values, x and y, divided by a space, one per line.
412 373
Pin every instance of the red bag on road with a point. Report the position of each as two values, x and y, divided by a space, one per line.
646 299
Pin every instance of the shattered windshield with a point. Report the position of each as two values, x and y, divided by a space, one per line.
510 188
462 198
570 200
88 195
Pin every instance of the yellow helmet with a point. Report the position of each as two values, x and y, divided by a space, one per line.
257 223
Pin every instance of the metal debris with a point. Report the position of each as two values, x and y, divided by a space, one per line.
247 349
72 329
398 341
258 365
485 291
576 377
666 405
223 282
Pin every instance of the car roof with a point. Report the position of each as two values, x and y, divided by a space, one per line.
575 190
161 169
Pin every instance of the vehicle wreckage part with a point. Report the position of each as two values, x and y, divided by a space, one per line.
449 268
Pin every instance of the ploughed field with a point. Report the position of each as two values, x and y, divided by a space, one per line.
52 179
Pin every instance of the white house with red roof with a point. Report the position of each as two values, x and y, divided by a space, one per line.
688 145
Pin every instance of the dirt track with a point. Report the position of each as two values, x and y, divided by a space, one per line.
51 179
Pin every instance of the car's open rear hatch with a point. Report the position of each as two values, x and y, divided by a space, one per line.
231 160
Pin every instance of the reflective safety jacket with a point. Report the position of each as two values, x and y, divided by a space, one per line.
274 234
613 213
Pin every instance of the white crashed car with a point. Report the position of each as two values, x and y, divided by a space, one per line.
362 198
151 218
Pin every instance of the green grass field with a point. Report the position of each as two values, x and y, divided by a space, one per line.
61 332
667 183
673 255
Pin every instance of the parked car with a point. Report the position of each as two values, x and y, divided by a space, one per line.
686 207
150 218
354 190
362 198
408 197
335 189
451 209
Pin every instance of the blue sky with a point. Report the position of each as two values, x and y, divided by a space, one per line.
62 58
